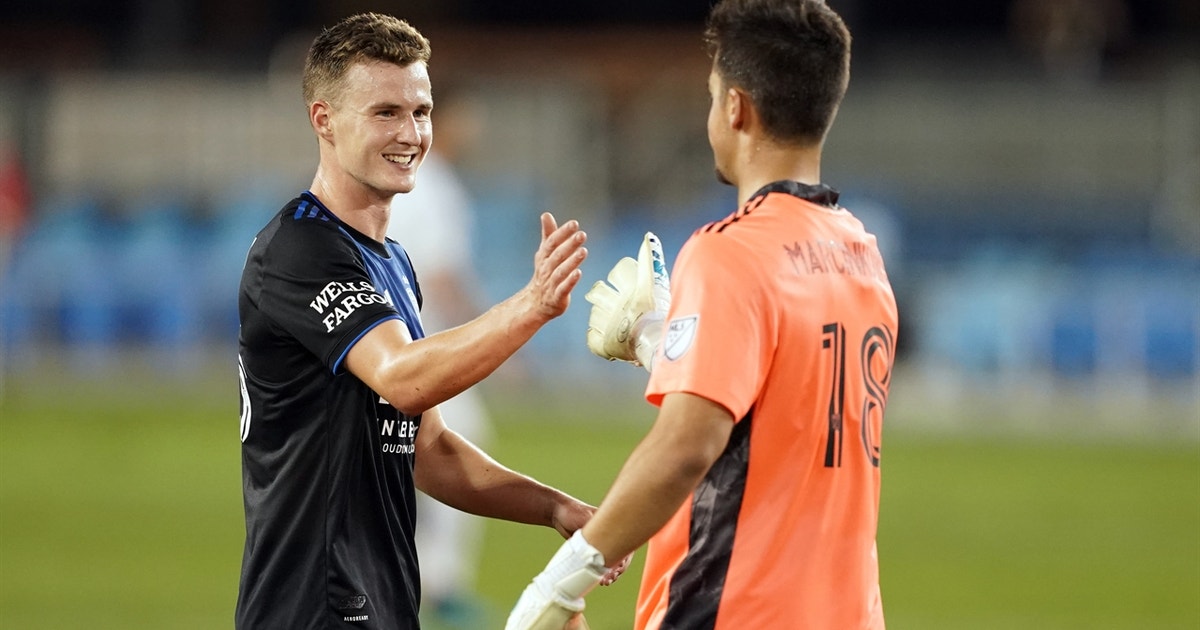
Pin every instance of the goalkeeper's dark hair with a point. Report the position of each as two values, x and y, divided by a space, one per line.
359 38
792 57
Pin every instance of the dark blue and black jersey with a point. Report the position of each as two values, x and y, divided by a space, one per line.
327 464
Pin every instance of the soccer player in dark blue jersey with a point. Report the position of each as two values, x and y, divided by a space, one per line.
340 386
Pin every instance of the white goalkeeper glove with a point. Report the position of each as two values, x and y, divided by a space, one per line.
556 594
626 319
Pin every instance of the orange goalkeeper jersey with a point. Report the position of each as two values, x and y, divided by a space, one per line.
783 314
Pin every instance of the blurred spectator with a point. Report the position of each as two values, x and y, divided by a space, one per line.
1070 37
14 200
434 222
14 208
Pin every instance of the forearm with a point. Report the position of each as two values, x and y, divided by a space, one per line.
449 362
494 491
415 376
641 501
459 474
688 436
418 375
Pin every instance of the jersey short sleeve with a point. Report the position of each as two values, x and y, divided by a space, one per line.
719 324
316 288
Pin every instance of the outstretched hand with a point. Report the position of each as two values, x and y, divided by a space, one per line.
556 267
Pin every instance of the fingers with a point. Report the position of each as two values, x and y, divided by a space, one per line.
616 571
559 241
570 516
557 263
564 262
548 225
562 290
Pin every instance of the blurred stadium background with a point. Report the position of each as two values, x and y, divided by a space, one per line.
1032 168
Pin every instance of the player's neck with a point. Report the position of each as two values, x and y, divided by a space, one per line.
767 162
353 204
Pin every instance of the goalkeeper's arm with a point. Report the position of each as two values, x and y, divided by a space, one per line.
628 312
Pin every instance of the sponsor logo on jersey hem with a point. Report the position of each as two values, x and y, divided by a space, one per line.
681 332
353 602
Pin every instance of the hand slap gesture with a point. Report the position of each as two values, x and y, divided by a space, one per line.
556 267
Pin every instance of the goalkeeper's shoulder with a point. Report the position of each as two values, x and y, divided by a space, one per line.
711 247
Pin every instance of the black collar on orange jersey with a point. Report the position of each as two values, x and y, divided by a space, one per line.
820 194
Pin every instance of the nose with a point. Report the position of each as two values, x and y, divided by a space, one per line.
409 130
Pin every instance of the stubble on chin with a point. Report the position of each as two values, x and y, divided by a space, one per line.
721 176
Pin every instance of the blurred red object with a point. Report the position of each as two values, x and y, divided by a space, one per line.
14 192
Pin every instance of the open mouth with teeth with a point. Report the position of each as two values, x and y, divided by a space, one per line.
403 160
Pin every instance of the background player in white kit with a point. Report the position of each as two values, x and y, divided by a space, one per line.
434 223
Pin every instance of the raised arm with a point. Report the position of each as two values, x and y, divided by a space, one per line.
416 375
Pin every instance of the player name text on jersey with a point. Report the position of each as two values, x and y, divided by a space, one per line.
848 259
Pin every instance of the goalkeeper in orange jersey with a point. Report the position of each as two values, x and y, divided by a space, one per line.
770 357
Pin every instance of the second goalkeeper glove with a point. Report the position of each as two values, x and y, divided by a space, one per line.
556 594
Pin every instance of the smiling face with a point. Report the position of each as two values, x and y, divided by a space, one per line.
379 126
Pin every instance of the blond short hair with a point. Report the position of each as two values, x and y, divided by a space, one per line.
359 38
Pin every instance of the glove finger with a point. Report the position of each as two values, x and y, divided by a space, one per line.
600 294
600 317
645 264
651 260
595 343
603 302
652 273
623 275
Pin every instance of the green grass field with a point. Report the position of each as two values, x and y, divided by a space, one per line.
120 507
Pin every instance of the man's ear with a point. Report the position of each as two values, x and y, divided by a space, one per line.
738 109
320 115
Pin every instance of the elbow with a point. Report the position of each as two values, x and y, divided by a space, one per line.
403 385
698 451
412 410
409 400
693 465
